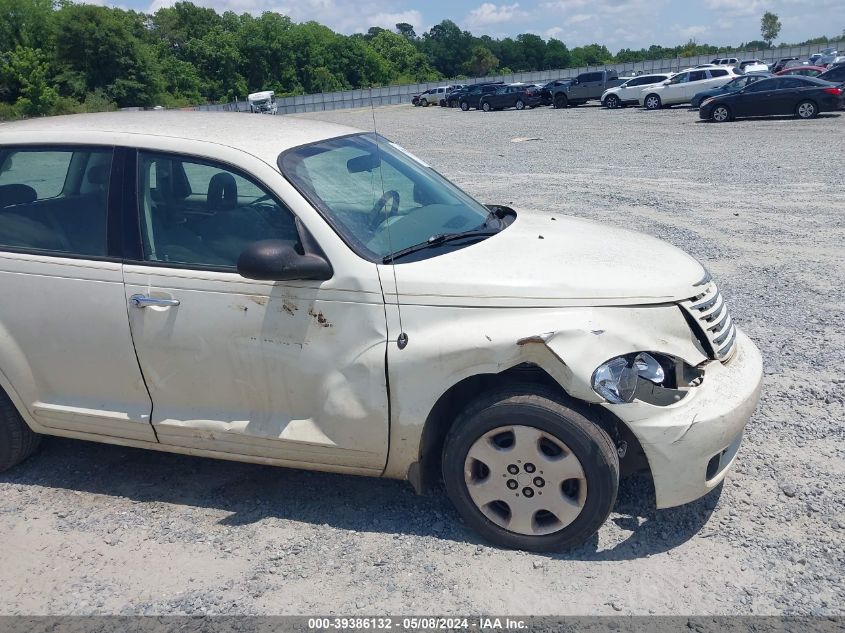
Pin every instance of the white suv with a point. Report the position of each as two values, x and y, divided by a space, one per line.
682 87
294 293
629 92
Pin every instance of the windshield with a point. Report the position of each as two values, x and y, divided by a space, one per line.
378 196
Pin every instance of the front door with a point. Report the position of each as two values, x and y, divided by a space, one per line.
66 352
292 371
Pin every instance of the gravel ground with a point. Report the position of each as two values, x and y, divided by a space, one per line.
101 529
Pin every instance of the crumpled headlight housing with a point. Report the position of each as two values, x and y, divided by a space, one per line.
616 380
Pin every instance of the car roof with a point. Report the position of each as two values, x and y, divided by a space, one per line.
262 136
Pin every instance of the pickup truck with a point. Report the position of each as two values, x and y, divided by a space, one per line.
585 87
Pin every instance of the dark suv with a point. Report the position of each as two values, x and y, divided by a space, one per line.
474 93
519 96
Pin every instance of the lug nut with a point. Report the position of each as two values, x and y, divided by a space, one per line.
530 468
539 482
512 484
528 492
513 469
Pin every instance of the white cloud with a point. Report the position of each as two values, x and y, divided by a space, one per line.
689 32
737 8
579 17
489 13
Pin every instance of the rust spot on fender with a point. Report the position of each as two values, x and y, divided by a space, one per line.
321 320
290 308
262 301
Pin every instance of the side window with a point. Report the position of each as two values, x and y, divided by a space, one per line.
698 75
680 79
791 82
198 213
761 86
718 72
55 200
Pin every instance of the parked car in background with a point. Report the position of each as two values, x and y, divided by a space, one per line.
472 96
732 86
450 90
585 87
753 68
432 96
752 65
814 58
803 97
262 102
684 86
215 306
629 92
546 90
835 75
519 96
827 59
806 71
724 61
453 96
785 62
837 61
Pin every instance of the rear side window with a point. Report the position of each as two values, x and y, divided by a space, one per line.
55 200
718 72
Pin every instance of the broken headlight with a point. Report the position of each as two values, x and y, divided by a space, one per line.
617 380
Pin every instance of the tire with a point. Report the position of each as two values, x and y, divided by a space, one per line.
612 102
486 106
453 103
519 105
806 110
653 102
554 434
464 106
561 101
721 114
17 440
424 103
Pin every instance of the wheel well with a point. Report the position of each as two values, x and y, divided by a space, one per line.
448 407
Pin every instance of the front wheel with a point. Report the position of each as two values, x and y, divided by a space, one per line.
464 106
612 102
721 113
424 103
561 101
653 102
528 472
17 440
806 110
520 104
486 106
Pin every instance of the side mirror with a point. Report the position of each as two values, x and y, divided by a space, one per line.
666 82
277 260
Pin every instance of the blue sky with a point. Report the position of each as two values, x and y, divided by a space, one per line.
616 23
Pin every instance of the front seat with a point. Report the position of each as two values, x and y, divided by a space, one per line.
11 195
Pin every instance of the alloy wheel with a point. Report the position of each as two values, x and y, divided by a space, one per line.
806 110
525 480
721 114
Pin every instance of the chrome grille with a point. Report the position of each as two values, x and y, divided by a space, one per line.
710 313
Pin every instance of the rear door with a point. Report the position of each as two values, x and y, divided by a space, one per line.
757 99
67 355
698 81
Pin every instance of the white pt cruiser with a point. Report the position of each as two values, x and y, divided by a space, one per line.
295 293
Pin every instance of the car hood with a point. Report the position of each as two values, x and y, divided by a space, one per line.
550 261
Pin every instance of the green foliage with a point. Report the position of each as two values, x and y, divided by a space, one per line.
481 62
57 57
769 27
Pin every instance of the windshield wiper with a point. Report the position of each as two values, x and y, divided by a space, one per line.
437 240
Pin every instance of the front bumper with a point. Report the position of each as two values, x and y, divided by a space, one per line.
691 445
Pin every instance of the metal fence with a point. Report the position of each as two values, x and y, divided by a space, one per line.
394 95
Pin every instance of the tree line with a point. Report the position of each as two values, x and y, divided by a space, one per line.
57 57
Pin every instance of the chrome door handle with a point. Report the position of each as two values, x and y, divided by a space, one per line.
142 301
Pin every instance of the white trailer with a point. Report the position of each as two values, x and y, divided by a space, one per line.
262 102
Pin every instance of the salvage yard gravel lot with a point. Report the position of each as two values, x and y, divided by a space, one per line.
91 528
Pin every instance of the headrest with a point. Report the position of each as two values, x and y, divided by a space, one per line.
16 194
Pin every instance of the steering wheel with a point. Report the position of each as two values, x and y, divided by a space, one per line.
380 211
